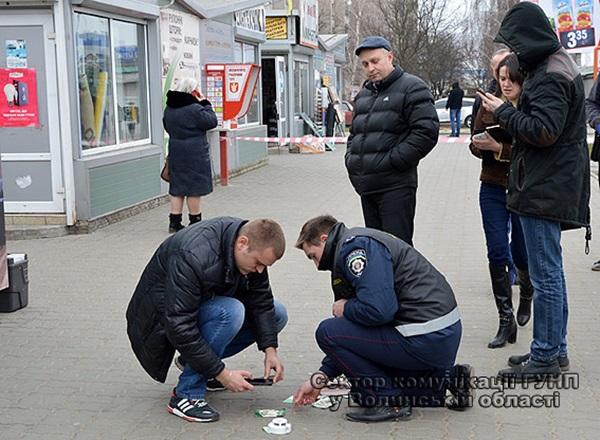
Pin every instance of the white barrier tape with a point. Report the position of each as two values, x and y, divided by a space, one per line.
287 140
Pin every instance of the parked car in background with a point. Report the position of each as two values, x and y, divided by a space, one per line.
465 112
348 109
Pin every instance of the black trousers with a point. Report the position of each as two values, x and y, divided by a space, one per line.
391 211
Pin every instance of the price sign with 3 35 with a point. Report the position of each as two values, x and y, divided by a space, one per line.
578 38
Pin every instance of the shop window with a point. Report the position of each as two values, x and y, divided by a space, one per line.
248 54
112 79
300 87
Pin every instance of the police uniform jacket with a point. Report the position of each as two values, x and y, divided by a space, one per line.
387 282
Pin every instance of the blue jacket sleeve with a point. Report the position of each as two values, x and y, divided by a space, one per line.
367 265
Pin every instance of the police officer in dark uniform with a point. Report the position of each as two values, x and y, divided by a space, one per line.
396 327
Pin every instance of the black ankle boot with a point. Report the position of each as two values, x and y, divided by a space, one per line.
175 222
525 298
195 218
507 329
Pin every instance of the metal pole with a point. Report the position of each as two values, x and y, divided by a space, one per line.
224 174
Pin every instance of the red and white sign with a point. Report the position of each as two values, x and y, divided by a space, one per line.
18 100
230 88
309 23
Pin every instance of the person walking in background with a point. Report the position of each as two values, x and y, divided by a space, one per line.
498 222
187 117
394 126
592 110
549 178
454 103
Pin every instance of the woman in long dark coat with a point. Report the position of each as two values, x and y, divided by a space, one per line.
187 118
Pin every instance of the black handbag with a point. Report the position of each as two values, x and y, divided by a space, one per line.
164 174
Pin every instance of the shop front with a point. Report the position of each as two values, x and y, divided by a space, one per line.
288 67
81 133
228 34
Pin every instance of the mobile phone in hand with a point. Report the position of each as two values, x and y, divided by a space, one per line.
479 136
483 92
260 381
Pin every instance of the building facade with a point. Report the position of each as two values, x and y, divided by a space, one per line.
93 144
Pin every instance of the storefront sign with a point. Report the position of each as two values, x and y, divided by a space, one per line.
232 86
277 28
16 54
575 22
180 47
217 42
251 19
309 23
18 104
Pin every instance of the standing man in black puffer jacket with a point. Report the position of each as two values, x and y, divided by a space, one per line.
549 178
395 125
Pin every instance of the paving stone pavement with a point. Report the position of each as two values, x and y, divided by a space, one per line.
67 372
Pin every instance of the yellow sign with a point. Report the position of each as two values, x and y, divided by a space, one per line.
276 28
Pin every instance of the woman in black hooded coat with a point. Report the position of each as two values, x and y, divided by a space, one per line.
187 117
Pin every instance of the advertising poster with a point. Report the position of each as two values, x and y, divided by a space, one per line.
16 54
180 47
3 252
575 22
18 102
277 28
215 78
309 22
230 87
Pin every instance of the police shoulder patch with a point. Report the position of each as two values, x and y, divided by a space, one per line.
356 262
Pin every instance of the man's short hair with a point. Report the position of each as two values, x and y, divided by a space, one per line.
264 233
313 229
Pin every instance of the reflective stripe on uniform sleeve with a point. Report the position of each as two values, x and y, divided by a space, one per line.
434 325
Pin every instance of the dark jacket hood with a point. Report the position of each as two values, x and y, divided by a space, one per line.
180 99
527 32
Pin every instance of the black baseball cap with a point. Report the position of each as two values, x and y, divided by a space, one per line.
373 42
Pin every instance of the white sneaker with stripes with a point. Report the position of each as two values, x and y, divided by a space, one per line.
192 410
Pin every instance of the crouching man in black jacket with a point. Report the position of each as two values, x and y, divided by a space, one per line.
206 293
396 327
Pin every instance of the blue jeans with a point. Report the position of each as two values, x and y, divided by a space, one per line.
455 121
223 326
550 308
498 224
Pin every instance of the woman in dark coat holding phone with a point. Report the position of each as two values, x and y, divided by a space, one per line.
498 222
188 116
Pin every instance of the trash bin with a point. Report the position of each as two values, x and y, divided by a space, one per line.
15 296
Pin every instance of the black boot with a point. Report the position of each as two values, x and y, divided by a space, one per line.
525 297
381 414
531 371
507 329
175 222
461 387
195 218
